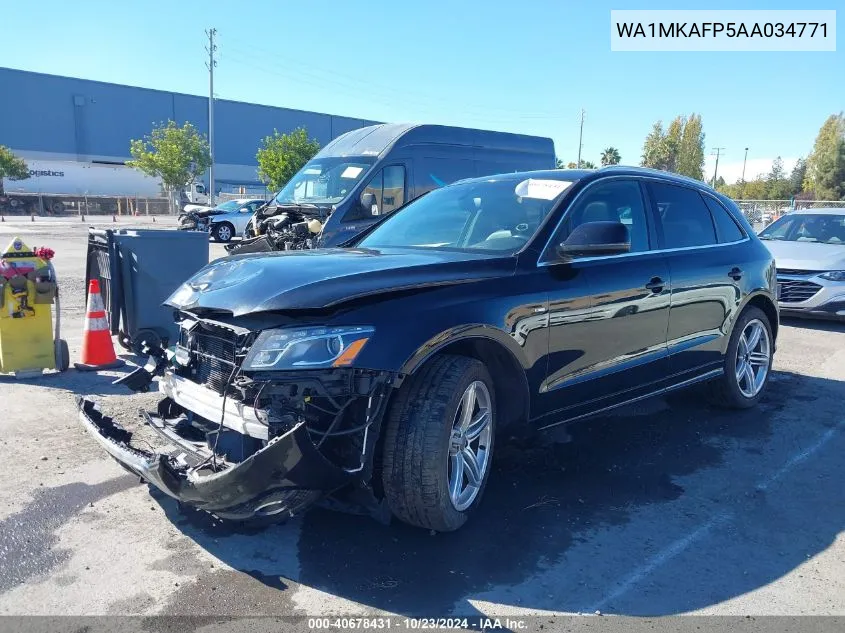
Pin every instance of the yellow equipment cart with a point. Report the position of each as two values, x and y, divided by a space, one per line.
29 343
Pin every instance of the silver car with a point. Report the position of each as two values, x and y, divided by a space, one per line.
809 250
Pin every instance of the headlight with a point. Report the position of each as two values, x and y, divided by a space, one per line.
834 275
307 348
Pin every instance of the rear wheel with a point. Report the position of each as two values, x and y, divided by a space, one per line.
747 363
439 443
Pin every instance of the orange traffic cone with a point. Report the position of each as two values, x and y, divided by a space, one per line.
97 347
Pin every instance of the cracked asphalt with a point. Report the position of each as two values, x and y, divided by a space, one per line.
668 507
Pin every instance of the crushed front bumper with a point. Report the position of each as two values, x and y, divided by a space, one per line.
284 477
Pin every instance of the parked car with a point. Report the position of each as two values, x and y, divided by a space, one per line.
199 219
225 226
368 173
383 375
809 248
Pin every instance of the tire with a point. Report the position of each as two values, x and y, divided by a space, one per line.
224 232
145 337
57 207
728 390
420 451
62 355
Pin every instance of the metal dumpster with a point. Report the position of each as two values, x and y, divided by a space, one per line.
137 270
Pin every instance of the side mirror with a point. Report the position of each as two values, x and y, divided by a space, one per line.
368 202
595 238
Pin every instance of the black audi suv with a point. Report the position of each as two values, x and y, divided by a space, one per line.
381 375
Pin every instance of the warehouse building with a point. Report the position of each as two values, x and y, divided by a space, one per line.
48 117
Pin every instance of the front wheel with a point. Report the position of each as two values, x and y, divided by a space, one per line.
748 362
224 232
439 443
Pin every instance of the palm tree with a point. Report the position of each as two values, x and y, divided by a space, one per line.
587 164
610 156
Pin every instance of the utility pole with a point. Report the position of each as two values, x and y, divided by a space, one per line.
580 137
743 165
718 151
212 47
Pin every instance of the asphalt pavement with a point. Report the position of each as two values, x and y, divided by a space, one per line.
669 507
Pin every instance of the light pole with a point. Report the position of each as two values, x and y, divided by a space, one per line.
580 138
743 165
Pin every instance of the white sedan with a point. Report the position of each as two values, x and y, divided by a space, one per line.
230 224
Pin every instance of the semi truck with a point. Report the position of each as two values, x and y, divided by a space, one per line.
52 185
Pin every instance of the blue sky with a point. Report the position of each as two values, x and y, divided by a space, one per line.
526 66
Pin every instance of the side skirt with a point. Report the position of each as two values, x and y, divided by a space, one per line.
710 375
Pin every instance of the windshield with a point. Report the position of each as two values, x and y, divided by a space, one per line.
490 215
825 229
326 180
232 205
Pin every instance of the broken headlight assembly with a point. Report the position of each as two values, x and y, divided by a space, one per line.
307 348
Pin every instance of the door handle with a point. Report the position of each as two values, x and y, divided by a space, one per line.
655 285
735 274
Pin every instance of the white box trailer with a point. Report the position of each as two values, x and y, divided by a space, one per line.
52 183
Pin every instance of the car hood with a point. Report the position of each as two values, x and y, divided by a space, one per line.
322 278
220 216
807 255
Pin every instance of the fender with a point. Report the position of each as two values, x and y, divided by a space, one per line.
462 333
753 297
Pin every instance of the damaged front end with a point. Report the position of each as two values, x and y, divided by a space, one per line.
243 443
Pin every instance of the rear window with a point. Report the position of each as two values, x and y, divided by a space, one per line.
685 218
726 227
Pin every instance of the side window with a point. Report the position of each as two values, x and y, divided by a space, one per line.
200 189
375 187
685 218
393 192
726 227
388 189
612 201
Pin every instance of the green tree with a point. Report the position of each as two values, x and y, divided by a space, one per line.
610 156
175 154
691 148
777 184
826 164
282 155
587 164
11 166
559 164
796 178
674 133
655 150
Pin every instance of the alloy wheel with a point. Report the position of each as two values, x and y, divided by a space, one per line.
469 445
753 358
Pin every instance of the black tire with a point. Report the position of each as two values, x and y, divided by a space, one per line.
417 438
725 391
62 355
219 232
144 338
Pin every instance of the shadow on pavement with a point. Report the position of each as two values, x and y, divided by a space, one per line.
543 501
820 325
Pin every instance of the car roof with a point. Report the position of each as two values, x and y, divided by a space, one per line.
834 211
591 174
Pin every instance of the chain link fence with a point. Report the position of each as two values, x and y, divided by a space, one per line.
761 213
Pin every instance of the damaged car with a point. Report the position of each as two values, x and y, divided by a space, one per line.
379 377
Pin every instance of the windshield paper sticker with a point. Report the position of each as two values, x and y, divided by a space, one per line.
351 172
541 189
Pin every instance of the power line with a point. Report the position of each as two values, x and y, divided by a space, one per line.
311 75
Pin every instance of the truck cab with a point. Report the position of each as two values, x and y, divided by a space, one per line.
368 173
